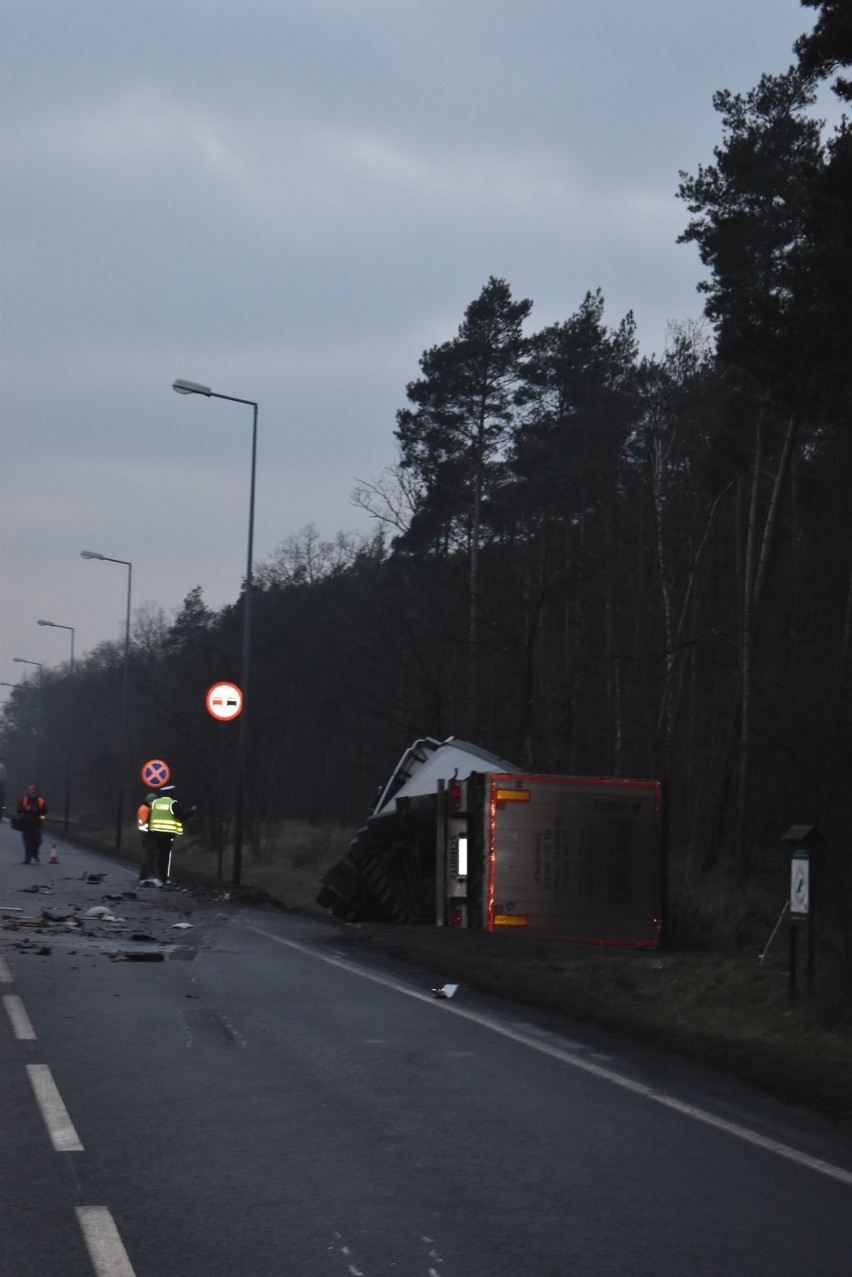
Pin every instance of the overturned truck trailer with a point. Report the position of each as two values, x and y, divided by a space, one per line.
461 838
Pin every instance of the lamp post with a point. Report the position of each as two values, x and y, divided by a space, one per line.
3 786
22 660
122 747
69 730
193 388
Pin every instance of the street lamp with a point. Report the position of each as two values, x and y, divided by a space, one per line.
122 747
69 730
22 660
194 388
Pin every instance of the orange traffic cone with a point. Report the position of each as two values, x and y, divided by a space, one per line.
54 859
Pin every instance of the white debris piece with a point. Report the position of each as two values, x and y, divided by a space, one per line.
446 991
180 926
99 911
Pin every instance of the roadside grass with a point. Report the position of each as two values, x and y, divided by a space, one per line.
722 1007
286 866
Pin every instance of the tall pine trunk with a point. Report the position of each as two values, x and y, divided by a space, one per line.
760 543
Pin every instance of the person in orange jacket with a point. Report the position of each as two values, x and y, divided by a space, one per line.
32 810
148 868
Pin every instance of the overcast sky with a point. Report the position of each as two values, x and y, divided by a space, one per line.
289 201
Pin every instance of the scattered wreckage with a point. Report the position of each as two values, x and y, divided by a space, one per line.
124 938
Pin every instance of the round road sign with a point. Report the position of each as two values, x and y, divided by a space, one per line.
224 701
155 773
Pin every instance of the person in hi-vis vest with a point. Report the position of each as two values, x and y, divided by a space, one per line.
161 819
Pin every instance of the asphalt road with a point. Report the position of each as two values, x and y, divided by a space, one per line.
247 1094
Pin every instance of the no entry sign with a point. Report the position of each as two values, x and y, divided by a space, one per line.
224 701
155 773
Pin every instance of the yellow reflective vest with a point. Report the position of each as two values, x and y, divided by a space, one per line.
162 820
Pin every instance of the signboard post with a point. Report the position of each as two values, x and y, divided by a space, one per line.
804 841
224 702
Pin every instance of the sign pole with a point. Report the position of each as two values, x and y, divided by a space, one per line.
804 840
224 702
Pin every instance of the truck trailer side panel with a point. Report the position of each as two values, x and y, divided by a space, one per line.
575 857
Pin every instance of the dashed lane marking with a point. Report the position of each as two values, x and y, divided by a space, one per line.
734 1129
21 1024
5 973
103 1242
59 1126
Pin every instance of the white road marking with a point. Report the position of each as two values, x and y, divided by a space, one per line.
5 973
733 1129
21 1024
59 1126
105 1247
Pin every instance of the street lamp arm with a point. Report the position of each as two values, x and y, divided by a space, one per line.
190 388
195 388
104 558
56 626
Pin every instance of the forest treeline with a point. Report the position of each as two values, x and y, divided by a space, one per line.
585 560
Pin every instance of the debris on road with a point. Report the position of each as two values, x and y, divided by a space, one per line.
52 915
446 991
84 912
